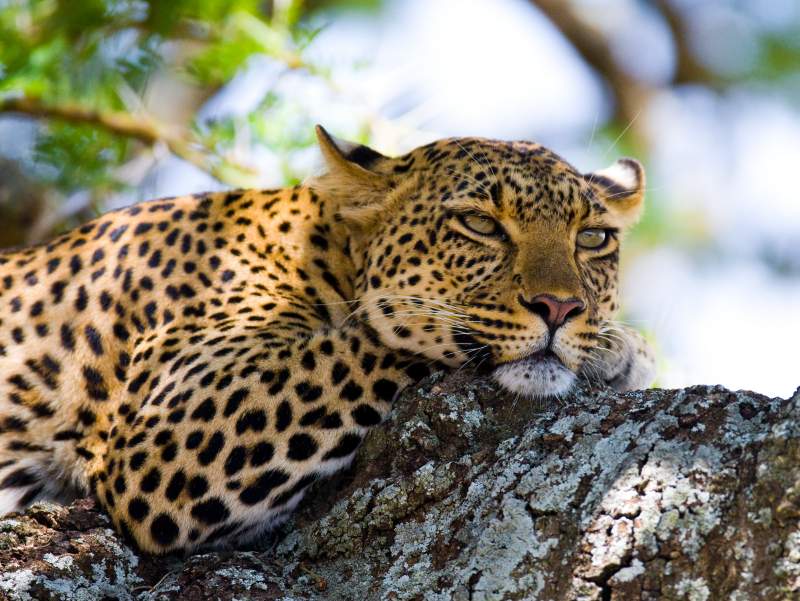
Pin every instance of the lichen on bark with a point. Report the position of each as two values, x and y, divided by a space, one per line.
468 493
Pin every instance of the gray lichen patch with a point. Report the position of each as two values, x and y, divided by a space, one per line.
85 575
609 495
14 533
65 553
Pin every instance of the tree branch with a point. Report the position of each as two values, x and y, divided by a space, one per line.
630 95
593 47
139 127
687 69
144 129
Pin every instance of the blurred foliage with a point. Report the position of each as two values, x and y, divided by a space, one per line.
94 75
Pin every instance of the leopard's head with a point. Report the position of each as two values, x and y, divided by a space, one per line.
495 253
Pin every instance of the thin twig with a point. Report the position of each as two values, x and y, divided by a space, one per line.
322 583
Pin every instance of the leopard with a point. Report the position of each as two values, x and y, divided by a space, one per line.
197 363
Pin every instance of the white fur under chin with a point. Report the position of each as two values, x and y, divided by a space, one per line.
537 376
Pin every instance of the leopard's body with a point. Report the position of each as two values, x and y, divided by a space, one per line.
198 362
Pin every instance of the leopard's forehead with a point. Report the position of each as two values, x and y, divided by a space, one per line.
522 155
522 180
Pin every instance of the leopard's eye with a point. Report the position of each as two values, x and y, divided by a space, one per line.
482 225
591 238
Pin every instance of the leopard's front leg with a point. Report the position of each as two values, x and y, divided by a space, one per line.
217 439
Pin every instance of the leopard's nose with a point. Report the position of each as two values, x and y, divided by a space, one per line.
554 311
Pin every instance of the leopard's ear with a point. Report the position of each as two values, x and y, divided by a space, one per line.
350 156
357 177
621 186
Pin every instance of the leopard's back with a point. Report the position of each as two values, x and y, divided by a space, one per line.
90 319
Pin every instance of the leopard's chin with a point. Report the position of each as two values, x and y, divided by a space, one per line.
538 375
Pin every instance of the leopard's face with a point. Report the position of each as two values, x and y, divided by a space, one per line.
499 254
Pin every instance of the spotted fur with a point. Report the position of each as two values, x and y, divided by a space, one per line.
198 362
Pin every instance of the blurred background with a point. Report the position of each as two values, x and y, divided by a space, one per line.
108 102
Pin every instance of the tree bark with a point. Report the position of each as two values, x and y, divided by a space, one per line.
470 494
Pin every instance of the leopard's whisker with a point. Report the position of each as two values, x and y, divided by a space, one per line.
488 164
474 352
479 184
439 316
623 133
477 162
428 300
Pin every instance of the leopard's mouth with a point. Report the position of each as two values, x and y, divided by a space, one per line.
540 374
